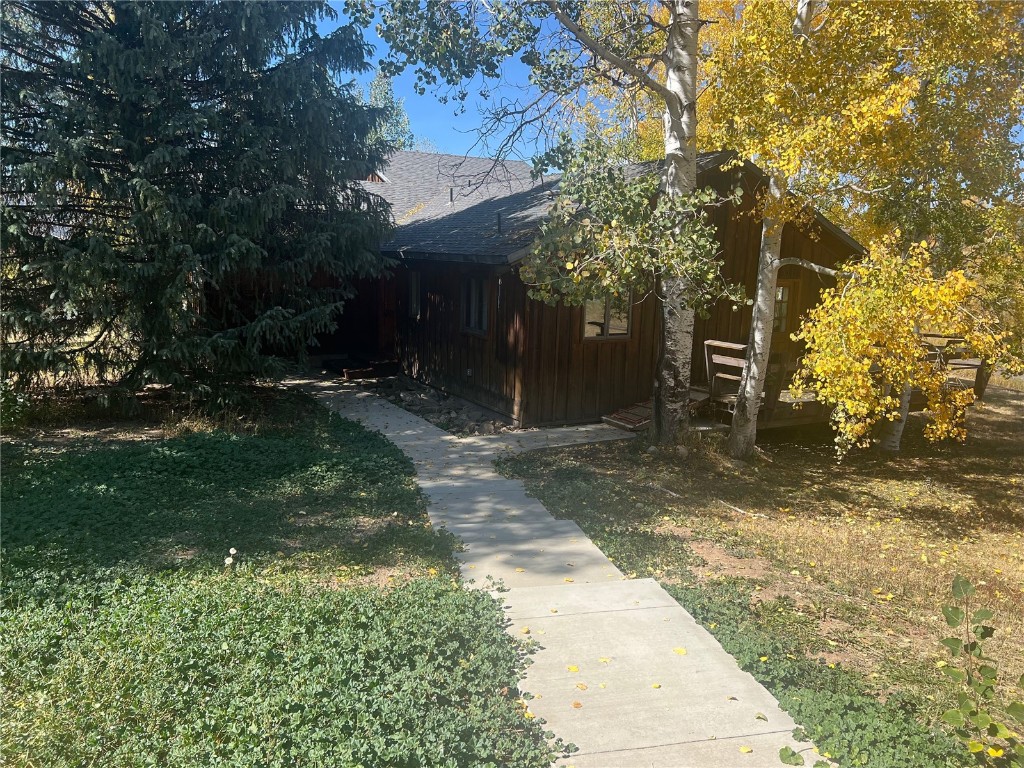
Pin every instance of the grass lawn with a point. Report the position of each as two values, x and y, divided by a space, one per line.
825 580
268 595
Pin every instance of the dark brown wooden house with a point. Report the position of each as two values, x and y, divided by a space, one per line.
456 315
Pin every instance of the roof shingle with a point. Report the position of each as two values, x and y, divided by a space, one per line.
474 209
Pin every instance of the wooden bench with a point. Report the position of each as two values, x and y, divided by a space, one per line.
726 361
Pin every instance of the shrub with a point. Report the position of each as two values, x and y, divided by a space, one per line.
986 728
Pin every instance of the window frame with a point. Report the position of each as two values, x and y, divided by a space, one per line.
789 320
604 335
475 306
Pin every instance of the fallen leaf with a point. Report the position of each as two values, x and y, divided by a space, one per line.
679 651
581 686
573 668
577 704
655 685
568 580
520 570
605 660
746 750
525 630
761 716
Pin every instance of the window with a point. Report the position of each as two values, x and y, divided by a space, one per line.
474 304
414 295
607 318
784 301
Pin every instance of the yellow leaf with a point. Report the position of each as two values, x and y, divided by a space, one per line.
525 630
581 686
520 570
604 660
655 685
679 651
746 750
573 668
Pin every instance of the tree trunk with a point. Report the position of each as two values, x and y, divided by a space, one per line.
743 431
892 431
672 388
981 379
805 10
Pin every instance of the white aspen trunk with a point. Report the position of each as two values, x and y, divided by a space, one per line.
892 431
743 431
672 388
804 14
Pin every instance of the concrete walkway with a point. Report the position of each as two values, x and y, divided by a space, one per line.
622 671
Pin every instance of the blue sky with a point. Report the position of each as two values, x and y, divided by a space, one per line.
430 120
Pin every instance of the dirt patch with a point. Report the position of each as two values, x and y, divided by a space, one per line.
450 413
718 562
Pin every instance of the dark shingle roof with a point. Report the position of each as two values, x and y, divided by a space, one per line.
447 207
473 209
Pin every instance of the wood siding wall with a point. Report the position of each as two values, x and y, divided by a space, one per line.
569 379
437 350
740 236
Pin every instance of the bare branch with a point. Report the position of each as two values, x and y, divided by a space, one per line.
602 51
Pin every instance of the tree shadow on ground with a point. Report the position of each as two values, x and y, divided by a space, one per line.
324 488
954 489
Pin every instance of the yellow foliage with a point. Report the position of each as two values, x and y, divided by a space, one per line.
863 343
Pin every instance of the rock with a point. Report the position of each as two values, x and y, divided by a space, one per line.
682 451
652 450
487 428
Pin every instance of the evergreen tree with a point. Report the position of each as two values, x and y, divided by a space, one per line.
180 188
395 127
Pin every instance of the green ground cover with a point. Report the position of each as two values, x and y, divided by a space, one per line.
336 634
